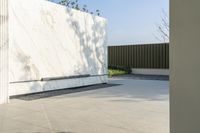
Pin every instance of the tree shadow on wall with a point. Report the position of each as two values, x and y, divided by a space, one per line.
92 42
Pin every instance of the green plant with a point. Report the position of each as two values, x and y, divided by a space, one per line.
75 5
116 72
127 69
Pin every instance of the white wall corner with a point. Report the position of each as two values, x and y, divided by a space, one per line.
4 51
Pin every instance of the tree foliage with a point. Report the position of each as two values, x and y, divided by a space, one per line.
75 5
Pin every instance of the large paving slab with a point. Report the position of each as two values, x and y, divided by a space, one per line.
135 106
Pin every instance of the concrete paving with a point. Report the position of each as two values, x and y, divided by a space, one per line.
136 106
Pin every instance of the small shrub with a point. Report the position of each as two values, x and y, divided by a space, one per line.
118 70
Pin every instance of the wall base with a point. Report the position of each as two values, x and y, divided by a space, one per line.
41 86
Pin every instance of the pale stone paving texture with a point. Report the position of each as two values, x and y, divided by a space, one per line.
136 106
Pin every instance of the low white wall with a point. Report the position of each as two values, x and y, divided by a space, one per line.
150 71
50 40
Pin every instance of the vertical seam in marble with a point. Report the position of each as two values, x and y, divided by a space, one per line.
4 96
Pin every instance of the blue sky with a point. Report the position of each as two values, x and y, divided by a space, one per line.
130 21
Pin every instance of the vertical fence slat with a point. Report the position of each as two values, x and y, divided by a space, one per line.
167 59
139 56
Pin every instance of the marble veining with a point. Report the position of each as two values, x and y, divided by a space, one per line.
50 40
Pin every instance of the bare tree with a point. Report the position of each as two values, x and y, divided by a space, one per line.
163 28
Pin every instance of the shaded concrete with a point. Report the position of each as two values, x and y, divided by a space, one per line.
35 96
137 106
144 77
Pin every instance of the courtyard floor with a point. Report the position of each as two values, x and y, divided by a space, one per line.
131 106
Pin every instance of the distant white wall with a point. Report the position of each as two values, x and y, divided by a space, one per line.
150 71
185 66
50 40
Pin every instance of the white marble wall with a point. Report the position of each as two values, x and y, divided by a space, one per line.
4 97
49 40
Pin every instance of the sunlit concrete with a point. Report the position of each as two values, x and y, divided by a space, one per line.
135 106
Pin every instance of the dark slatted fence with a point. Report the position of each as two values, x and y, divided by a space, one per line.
139 56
